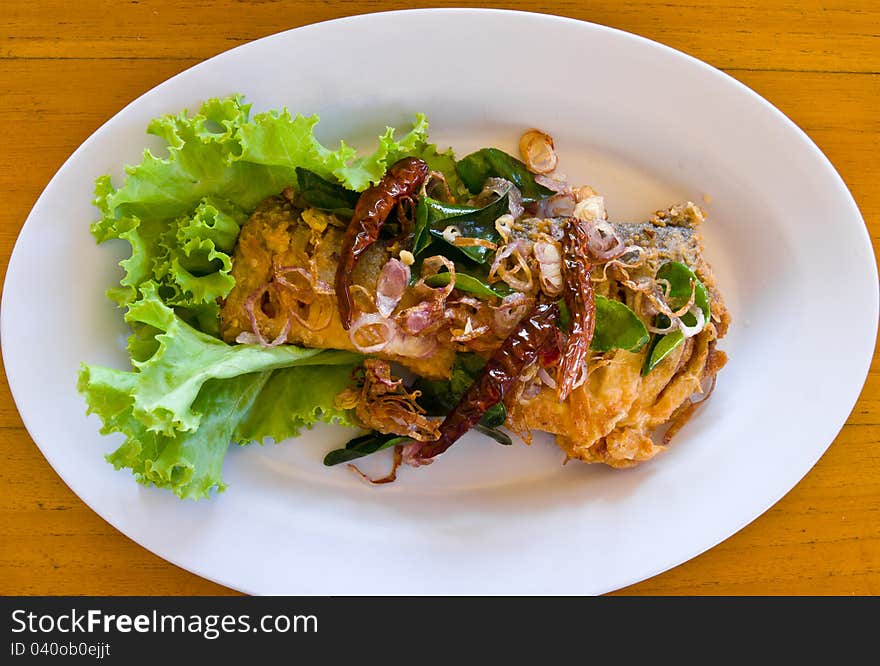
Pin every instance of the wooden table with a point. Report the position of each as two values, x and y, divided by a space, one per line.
66 67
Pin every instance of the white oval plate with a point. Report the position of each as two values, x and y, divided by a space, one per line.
645 125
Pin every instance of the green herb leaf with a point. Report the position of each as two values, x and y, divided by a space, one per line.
439 397
421 235
363 446
476 168
499 436
495 416
661 347
433 216
450 251
463 282
440 210
617 327
680 278
322 194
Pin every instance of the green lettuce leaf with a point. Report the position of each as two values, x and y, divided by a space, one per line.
285 408
203 161
168 382
194 263
191 395
244 409
190 463
279 140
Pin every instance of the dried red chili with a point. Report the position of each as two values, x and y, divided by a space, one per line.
532 339
578 294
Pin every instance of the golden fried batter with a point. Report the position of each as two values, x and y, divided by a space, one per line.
614 417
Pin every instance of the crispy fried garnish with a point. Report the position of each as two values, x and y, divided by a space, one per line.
384 404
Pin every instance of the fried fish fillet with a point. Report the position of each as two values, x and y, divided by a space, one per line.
280 239
612 418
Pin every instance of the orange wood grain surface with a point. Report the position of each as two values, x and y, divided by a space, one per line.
66 67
